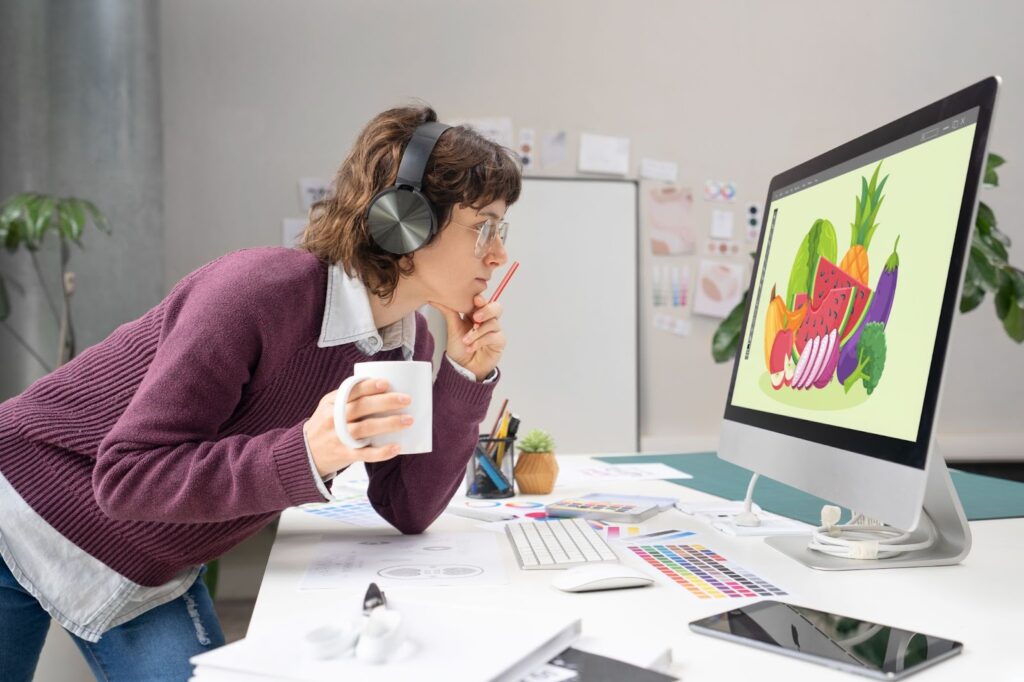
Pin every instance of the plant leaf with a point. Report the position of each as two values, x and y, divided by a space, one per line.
987 274
1010 308
994 251
31 212
992 162
971 297
1017 277
727 337
5 301
97 216
1004 298
986 219
70 226
14 207
44 222
78 211
15 234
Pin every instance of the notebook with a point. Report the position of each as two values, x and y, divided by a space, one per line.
442 641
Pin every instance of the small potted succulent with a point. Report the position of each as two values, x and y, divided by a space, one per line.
536 469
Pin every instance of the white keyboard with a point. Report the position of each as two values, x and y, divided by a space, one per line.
558 544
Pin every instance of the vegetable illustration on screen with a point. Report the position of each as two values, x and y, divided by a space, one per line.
831 323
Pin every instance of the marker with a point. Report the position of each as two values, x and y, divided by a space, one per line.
501 287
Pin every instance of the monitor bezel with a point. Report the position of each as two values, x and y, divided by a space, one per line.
898 451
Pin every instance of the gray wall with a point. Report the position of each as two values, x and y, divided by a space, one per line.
81 116
258 94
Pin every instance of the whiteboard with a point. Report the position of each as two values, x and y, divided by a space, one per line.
571 365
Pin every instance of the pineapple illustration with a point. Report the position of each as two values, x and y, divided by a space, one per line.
855 262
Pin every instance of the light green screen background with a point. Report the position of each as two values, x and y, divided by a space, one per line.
921 206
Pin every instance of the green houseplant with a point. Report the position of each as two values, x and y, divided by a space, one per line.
25 219
537 468
988 271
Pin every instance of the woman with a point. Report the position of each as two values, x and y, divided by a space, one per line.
192 427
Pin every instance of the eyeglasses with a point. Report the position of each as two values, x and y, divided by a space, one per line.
486 233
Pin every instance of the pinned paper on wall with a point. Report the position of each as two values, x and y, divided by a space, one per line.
291 228
527 147
497 129
669 212
721 224
719 190
552 151
671 286
604 154
673 325
312 190
753 222
653 169
722 247
719 288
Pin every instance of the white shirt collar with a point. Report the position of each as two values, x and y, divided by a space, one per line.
349 319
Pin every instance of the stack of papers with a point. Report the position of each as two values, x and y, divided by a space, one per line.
440 642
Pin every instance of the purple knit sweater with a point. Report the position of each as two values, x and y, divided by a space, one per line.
180 435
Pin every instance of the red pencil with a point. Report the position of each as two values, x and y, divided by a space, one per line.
501 287
504 281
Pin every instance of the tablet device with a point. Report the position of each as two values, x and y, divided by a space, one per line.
858 646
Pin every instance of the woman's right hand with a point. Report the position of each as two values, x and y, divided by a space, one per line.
368 397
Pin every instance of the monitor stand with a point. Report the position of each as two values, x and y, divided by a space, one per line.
943 506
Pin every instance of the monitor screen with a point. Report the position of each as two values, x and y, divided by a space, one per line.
849 286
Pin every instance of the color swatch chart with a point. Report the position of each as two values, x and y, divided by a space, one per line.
704 573
353 510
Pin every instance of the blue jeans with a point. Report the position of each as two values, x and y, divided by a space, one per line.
153 646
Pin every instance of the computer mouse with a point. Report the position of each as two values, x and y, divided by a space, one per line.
600 577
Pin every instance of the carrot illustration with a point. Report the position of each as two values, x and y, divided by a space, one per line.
855 262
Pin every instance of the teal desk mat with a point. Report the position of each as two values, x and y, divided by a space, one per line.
983 497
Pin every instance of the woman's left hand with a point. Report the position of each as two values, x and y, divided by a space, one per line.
478 351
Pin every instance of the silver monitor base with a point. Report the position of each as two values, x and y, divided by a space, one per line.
943 507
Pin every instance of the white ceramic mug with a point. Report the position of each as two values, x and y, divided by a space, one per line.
412 377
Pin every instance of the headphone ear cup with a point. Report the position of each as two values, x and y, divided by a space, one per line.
401 220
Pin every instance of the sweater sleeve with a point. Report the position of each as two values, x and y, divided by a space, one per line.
162 460
411 491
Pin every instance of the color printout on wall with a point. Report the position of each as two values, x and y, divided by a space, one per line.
669 214
719 287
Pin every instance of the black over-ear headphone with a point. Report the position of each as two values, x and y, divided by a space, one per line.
400 218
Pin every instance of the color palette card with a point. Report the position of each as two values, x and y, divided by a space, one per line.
616 511
703 572
613 531
355 510
669 535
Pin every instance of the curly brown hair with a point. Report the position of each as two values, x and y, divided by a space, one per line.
464 168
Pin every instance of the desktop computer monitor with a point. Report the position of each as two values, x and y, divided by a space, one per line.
856 280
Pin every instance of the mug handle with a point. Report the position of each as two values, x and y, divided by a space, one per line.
340 425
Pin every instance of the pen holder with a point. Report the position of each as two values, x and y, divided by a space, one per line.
489 474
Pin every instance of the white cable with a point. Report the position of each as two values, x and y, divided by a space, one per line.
747 517
864 538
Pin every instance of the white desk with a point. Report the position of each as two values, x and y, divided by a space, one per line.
979 602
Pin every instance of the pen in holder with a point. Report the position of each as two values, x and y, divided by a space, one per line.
489 474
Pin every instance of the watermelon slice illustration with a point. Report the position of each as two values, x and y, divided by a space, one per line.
827 279
832 315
